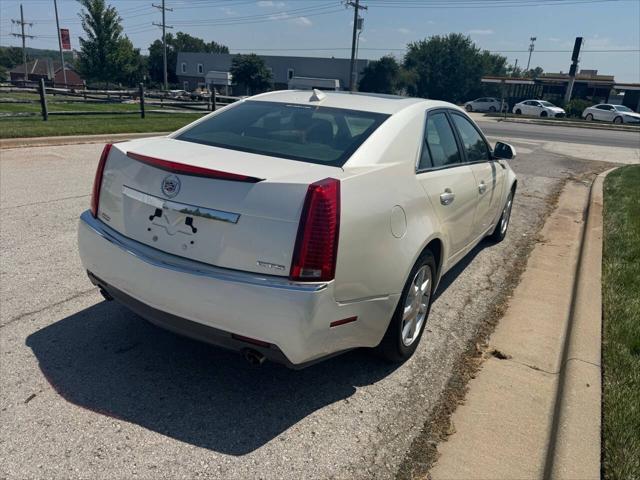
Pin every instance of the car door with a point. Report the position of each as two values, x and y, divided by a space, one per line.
488 174
609 113
448 183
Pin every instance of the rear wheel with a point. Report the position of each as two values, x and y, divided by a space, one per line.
617 120
469 108
492 109
407 324
589 117
544 114
503 224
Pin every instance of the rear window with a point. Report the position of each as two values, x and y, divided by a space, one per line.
299 132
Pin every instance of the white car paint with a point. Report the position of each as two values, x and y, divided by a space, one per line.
538 108
484 104
234 278
607 112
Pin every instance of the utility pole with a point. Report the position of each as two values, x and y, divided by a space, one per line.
22 23
164 38
64 70
356 9
573 69
531 47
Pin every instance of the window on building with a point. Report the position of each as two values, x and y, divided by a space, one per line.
290 73
200 68
183 67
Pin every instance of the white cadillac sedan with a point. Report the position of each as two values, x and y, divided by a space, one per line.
538 108
295 225
607 112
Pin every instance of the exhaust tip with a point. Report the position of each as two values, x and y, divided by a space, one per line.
253 357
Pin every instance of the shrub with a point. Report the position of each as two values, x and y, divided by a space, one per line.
575 107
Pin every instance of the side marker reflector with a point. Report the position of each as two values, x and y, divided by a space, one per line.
337 323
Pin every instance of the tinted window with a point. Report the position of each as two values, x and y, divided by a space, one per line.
473 143
298 132
439 148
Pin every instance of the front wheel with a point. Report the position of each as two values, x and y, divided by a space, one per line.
544 114
617 120
503 224
518 112
407 324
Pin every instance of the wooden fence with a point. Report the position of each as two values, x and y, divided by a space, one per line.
148 101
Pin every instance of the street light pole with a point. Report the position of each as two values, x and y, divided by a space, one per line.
356 8
531 47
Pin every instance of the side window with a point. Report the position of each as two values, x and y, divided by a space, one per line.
439 148
473 142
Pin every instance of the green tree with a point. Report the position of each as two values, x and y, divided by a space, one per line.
381 76
449 67
105 54
251 72
181 42
10 57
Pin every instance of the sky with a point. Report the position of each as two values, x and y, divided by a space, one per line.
611 28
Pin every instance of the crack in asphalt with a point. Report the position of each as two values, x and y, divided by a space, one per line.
47 307
45 201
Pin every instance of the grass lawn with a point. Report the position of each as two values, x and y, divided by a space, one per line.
621 330
93 124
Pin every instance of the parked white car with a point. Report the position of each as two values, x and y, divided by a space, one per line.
607 112
538 108
294 225
484 104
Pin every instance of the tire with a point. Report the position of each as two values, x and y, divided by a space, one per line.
618 120
544 114
589 117
401 339
468 108
503 223
492 109
518 112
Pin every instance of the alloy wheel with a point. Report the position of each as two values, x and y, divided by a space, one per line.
416 305
506 215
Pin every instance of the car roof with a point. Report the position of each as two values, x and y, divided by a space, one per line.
367 102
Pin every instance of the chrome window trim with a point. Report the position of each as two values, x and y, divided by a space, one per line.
175 263
463 154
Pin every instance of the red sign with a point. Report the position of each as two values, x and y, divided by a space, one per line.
66 38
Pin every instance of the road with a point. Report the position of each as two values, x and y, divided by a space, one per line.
585 136
88 389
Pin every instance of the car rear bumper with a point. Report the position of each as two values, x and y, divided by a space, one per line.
290 320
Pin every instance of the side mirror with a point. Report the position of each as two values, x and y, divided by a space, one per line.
505 151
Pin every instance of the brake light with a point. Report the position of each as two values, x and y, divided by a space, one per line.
314 257
97 181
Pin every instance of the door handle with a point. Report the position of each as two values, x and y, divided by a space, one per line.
482 187
447 197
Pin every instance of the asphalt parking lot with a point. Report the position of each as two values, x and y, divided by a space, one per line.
89 390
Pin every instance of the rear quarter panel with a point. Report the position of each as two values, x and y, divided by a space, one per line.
372 261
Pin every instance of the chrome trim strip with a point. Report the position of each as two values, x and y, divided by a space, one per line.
184 208
160 259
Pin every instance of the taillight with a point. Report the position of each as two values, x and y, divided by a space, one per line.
97 181
314 257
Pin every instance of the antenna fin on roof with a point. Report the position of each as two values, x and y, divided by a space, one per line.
317 96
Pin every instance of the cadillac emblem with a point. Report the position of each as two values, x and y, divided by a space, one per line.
171 186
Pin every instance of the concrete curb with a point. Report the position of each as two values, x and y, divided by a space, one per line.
6 143
534 409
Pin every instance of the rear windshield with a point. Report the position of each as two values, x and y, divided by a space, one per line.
299 132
